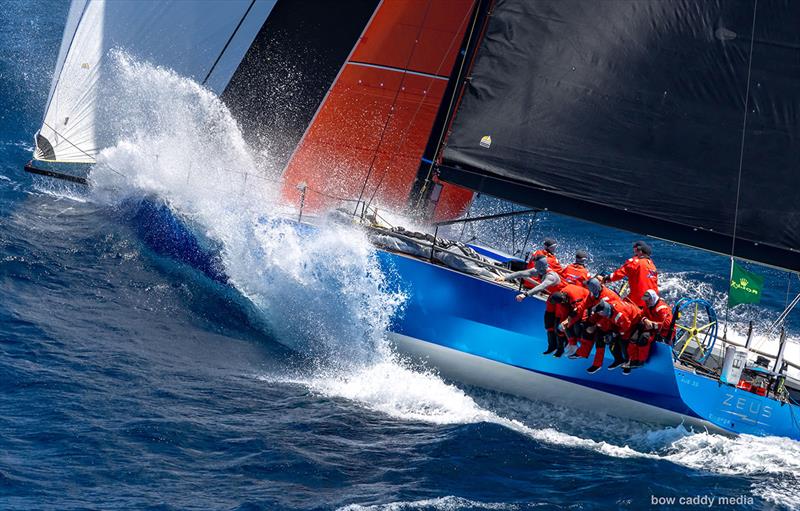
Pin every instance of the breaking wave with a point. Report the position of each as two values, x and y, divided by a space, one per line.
325 296
323 293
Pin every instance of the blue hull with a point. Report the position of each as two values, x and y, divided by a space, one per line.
480 318
474 331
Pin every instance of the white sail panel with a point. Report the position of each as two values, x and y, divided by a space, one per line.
201 39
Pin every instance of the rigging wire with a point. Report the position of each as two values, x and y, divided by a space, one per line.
449 112
84 152
741 160
531 221
394 105
419 107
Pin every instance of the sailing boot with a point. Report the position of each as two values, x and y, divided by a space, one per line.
599 354
549 321
552 345
561 343
616 350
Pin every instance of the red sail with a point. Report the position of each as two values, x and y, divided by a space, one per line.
370 132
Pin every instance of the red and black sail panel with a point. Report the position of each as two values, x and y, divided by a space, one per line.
368 136
675 119
290 67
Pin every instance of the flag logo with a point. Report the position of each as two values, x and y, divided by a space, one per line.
745 286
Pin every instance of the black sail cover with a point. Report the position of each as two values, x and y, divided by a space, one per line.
630 113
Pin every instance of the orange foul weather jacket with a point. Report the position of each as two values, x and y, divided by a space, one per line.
576 296
642 275
584 308
552 260
574 274
661 315
624 318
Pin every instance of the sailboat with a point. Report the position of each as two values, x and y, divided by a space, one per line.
673 120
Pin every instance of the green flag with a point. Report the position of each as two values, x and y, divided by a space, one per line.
745 286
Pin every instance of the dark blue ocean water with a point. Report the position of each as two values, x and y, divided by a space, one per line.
129 381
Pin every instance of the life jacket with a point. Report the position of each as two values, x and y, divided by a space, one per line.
642 275
575 274
661 314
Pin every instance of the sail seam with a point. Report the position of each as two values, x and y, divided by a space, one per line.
69 141
419 104
330 88
399 70
84 152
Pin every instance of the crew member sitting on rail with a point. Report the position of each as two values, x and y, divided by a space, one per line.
550 283
597 292
640 271
549 251
567 304
655 325
576 273
616 322
591 332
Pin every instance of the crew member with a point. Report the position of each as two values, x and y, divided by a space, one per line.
640 271
576 273
615 323
566 305
656 325
597 293
550 282
549 251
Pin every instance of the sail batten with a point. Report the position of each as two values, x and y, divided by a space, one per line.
630 114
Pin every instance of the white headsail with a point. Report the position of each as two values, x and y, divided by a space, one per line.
202 39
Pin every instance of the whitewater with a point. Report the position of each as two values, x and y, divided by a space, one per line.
294 395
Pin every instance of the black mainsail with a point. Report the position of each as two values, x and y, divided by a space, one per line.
676 119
